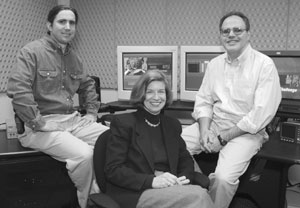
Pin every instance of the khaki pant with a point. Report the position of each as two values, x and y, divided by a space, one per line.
234 159
74 146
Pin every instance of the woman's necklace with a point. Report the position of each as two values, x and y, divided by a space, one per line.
151 124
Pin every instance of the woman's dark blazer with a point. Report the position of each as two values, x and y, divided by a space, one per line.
129 160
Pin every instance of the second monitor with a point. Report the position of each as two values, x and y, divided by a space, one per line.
194 60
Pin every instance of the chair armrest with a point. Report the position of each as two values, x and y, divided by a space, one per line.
201 180
19 124
102 200
104 108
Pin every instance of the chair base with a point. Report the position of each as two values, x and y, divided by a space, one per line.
101 200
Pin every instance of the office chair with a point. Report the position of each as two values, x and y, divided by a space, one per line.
103 106
101 200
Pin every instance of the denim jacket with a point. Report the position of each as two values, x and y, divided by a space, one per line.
45 80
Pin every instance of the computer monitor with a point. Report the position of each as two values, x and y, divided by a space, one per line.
288 66
194 60
133 61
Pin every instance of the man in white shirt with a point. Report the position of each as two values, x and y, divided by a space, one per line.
239 96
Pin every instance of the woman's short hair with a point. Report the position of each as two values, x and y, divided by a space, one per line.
55 10
138 92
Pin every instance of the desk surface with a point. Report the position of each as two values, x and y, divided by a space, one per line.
277 150
12 148
125 104
274 149
121 105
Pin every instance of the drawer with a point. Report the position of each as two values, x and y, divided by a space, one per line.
33 172
40 198
35 182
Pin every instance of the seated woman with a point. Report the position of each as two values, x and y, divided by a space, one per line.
147 164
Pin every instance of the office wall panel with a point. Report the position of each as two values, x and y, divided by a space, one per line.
177 22
95 39
268 19
141 22
10 37
21 22
193 23
293 37
34 19
104 24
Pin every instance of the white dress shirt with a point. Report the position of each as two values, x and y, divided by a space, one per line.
244 92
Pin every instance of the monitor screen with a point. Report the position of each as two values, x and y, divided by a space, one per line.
133 61
288 66
194 60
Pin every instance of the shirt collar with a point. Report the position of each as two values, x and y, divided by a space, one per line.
242 58
54 45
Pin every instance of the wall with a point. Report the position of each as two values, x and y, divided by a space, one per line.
21 22
105 24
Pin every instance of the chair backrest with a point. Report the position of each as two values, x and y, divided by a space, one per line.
98 90
99 159
97 86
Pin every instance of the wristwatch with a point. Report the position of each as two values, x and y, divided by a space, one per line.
222 141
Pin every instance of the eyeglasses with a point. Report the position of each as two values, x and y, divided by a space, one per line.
235 30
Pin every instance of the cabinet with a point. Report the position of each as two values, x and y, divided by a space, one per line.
32 179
